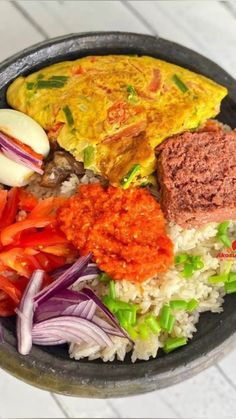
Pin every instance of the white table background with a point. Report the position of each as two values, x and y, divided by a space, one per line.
209 27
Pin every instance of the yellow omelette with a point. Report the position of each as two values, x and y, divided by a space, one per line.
112 111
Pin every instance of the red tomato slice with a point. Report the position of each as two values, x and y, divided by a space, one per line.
57 250
10 210
9 233
11 290
46 207
3 200
156 80
18 261
48 237
27 201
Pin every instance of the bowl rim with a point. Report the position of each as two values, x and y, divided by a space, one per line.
182 363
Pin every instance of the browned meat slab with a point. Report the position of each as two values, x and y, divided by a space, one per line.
197 176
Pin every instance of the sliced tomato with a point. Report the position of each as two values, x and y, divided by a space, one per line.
47 237
57 250
131 131
56 261
156 80
10 289
3 201
17 260
43 261
27 201
11 208
46 207
9 233
118 113
54 131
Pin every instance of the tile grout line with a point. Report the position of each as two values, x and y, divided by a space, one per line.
225 376
127 4
26 15
60 405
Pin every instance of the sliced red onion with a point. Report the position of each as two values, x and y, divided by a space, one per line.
26 311
72 329
65 280
85 309
91 272
107 327
17 154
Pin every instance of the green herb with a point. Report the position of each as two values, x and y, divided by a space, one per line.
197 263
143 331
171 322
68 115
103 277
173 343
112 290
164 316
178 304
179 83
49 84
191 263
181 258
88 155
218 278
152 323
59 78
188 270
232 277
127 179
132 94
230 287
192 305
222 234
29 86
133 333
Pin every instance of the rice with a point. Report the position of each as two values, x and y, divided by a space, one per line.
152 294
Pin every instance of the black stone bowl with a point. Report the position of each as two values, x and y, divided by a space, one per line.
51 368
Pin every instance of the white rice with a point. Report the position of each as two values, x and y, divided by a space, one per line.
152 294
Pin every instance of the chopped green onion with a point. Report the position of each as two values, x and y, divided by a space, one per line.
232 277
103 277
112 290
179 83
127 179
49 84
197 262
143 331
164 316
68 115
40 76
192 305
88 155
181 258
171 323
218 278
188 270
122 319
152 323
132 94
173 343
132 333
111 304
222 233
230 287
59 78
29 86
178 304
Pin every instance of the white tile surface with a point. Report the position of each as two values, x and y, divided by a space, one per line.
208 27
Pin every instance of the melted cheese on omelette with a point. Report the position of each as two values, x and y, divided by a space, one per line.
112 111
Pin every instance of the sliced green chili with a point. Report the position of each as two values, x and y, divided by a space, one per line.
88 155
68 115
178 304
112 290
173 343
230 287
152 323
164 316
127 179
192 305
179 83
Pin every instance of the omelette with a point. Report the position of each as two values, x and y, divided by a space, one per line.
112 111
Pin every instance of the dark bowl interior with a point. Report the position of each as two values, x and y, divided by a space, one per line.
51 368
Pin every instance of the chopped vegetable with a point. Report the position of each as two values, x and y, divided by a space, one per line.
171 322
222 234
191 264
188 270
218 278
165 316
132 94
179 259
50 84
3 201
29 86
232 277
103 277
143 331
112 290
178 304
152 323
230 287
179 83
8 234
129 178
192 305
68 115
88 156
173 343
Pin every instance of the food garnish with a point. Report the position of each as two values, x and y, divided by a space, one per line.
222 234
180 84
191 263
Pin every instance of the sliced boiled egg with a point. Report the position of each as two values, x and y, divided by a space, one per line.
23 145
